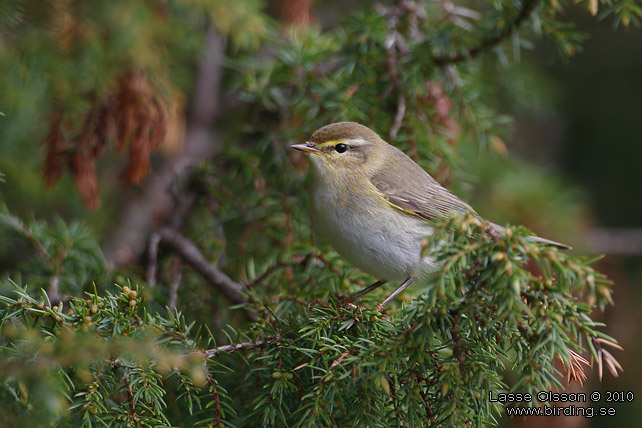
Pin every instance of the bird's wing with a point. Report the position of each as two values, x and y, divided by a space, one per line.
426 199
422 197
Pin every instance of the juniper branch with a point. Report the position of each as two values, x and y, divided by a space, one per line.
242 346
492 41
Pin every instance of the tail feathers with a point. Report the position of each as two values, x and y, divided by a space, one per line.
501 229
549 242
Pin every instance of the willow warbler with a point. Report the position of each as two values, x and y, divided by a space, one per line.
374 204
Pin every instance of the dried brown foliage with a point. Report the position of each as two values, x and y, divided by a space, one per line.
442 110
297 13
133 117
574 370
604 357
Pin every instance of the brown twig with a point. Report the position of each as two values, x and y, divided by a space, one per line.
152 255
395 399
177 275
300 260
457 341
396 47
340 359
266 273
139 217
294 299
185 203
53 291
242 346
420 379
130 397
401 112
217 399
527 7
427 407
190 253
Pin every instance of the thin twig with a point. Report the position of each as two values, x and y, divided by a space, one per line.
128 239
185 203
152 256
294 299
396 47
219 231
427 407
21 228
395 399
457 341
130 397
242 346
190 253
340 359
401 112
268 271
486 44
217 399
177 266
53 291
300 260
422 379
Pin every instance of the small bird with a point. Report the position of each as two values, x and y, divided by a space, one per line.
374 204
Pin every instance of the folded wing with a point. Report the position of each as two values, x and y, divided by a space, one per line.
426 199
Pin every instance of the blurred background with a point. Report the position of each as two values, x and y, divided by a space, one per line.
566 166
588 134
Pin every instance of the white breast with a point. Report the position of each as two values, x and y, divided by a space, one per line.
387 248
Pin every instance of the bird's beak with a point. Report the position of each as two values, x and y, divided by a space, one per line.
305 147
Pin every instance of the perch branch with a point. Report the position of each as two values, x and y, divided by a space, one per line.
190 253
242 346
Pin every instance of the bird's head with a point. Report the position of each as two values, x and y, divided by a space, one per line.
344 147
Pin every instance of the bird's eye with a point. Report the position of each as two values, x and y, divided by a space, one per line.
340 148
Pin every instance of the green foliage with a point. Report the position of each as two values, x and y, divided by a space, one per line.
496 317
65 259
485 318
72 49
103 361
61 61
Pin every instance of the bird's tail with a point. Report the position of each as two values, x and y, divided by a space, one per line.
501 229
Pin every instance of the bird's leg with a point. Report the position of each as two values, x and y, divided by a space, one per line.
394 294
366 290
